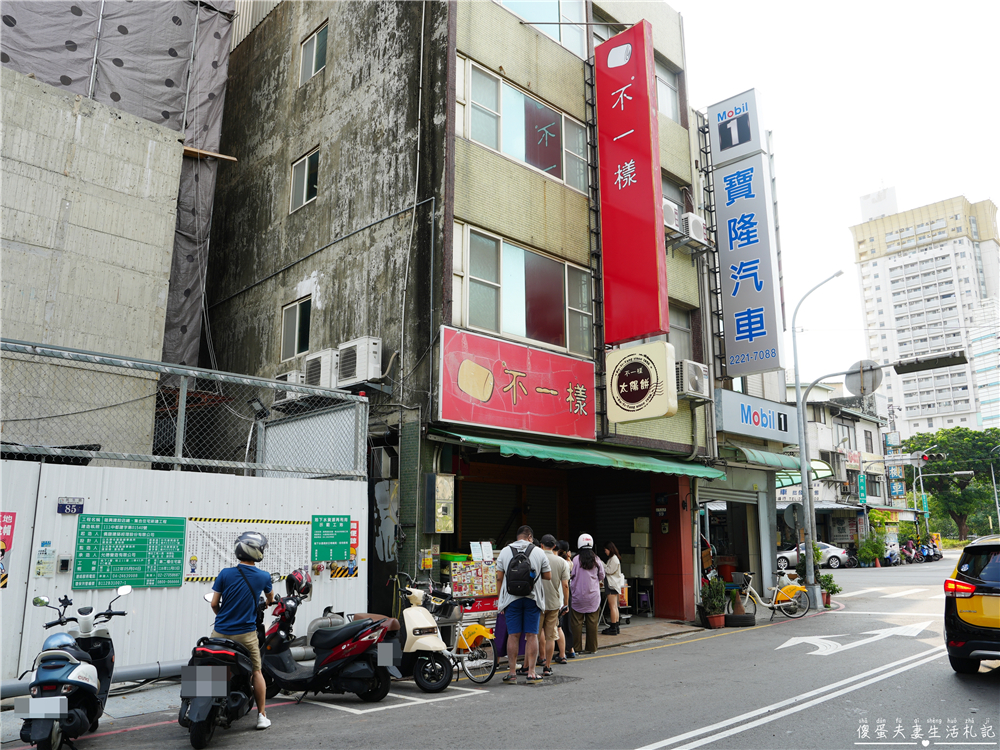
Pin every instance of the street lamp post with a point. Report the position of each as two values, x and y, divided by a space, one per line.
993 477
804 466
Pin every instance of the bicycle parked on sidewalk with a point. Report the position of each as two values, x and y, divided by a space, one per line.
787 597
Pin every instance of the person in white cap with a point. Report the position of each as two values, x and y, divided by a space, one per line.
585 579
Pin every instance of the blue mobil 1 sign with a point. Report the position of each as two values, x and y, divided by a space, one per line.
748 250
747 415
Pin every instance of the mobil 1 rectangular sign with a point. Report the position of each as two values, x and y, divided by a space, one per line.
756 417
753 321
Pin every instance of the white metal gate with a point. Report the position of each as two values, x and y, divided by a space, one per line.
163 623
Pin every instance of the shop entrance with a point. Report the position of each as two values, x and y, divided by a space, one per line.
734 532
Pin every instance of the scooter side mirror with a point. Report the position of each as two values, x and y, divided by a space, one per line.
124 590
208 597
40 601
275 577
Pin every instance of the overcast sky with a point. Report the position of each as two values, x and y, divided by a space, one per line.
859 96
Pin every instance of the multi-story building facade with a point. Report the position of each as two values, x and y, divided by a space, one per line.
422 177
929 279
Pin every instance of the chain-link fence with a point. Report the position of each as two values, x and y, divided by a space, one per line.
73 407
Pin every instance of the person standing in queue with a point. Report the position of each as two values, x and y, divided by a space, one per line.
585 578
565 631
237 591
614 581
520 566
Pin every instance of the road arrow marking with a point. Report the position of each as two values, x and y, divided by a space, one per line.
902 593
857 593
825 646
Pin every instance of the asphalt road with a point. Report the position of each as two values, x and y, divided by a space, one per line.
875 664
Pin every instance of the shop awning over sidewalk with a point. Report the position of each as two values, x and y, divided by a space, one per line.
613 459
789 465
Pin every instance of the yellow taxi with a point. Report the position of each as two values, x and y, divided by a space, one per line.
972 606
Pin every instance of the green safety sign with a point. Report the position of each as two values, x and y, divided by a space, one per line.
863 489
142 551
926 509
331 538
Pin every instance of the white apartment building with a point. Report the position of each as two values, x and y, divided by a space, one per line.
929 280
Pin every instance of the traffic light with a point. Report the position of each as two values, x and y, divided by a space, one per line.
919 458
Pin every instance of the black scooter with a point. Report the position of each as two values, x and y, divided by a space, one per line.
217 684
347 658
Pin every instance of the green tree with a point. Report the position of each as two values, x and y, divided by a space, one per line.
966 450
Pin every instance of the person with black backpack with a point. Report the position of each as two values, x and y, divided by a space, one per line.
234 601
520 565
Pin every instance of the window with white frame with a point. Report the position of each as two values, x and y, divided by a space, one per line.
845 433
517 292
295 328
305 178
667 98
507 120
312 58
562 20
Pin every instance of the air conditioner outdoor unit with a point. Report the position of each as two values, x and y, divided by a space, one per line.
360 361
321 368
694 227
692 380
670 216
296 377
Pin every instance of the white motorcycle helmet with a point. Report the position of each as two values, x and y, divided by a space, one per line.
585 541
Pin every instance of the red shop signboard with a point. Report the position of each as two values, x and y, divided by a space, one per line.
495 383
628 135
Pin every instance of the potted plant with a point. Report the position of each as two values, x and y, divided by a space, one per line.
713 598
829 587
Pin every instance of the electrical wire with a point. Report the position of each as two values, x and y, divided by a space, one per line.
85 411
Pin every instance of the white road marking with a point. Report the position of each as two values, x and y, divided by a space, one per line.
465 693
902 593
939 596
857 593
824 693
825 647
884 614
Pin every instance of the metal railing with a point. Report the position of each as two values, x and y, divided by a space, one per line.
69 406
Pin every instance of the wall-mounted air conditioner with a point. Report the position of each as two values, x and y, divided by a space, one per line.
296 377
671 218
694 227
693 380
360 361
321 368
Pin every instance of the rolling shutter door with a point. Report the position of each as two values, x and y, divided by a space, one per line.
485 511
542 513
615 515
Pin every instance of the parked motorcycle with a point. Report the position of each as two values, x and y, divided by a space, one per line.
217 684
930 553
422 653
72 676
892 557
912 556
346 656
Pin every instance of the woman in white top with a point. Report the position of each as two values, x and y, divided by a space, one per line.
614 581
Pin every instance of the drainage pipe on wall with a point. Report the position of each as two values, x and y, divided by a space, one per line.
139 672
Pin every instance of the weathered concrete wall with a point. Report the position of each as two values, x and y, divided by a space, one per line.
89 204
361 111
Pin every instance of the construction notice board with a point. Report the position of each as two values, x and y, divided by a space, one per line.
143 551
331 538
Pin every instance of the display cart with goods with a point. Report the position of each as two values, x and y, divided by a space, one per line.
473 584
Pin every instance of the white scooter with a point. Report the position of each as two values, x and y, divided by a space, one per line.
417 647
72 676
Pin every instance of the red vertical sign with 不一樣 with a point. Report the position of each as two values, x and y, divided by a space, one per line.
633 254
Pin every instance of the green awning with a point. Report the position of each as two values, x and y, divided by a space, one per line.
790 474
820 470
764 458
594 456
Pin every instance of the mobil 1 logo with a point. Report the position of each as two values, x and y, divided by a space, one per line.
734 126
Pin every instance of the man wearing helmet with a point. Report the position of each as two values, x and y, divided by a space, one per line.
237 591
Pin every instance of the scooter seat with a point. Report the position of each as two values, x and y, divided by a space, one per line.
224 643
327 639
77 653
392 624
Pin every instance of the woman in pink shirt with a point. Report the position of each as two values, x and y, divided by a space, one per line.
585 579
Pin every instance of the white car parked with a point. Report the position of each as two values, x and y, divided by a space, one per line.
832 557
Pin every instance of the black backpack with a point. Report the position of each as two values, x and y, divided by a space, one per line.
518 576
